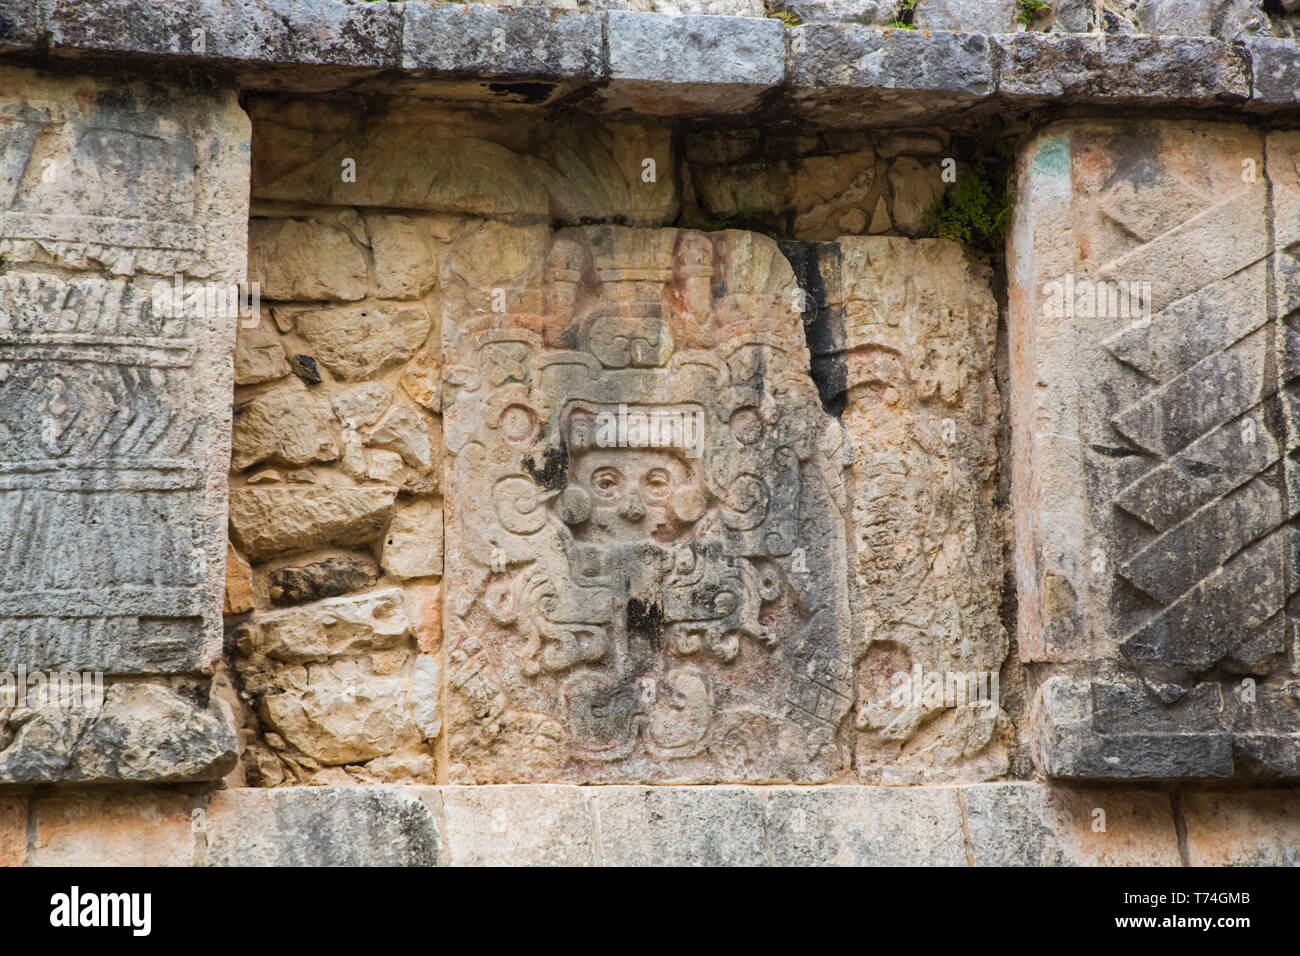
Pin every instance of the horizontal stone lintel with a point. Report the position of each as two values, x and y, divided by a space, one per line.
657 64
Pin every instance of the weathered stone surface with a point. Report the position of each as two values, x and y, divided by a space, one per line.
462 38
356 341
1119 70
413 544
405 257
669 65
1152 484
519 826
1242 829
967 16
340 34
865 826
642 612
116 403
331 628
321 826
910 364
315 580
915 188
402 429
870 12
289 425
259 356
297 260
1025 824
21 25
452 161
1226 19
856 74
271 521
679 826
13 831
1275 69
142 733
103 828
239 583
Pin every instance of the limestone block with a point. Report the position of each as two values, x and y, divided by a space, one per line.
518 826
1026 824
294 260
460 38
321 826
405 257
1152 417
141 733
865 826
362 405
968 16
109 829
356 341
656 607
669 65
117 404
871 12
259 356
289 425
413 544
239 583
402 429
1243 828
304 582
1226 19
680 826
13 831
331 628
270 521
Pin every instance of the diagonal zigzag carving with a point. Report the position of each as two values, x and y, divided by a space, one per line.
1219 420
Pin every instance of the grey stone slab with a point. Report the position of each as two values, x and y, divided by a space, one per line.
141 733
967 16
680 826
321 826
1122 69
865 826
665 65
21 25
335 33
481 40
1275 66
1098 731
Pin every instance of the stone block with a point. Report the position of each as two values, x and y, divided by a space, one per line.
321 826
967 16
1275 71
13 831
865 826
519 826
305 260
670 65
413 544
1260 828
1028 824
141 733
92 829
515 42
270 521
288 425
680 826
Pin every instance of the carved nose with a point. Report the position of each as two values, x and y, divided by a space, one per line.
633 508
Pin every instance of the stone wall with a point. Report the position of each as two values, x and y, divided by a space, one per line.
411 424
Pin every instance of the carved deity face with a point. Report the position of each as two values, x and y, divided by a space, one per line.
630 495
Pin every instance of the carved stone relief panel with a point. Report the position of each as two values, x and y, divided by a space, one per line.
646 575
122 211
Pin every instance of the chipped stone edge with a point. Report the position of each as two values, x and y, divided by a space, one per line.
1018 823
332 42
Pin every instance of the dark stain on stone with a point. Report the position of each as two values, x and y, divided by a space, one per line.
1112 452
551 472
529 93
304 366
822 333
645 619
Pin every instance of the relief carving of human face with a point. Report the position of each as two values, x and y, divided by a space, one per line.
631 495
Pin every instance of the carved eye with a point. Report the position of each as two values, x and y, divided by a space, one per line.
606 482
657 483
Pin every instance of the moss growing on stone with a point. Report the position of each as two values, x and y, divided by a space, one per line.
977 211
